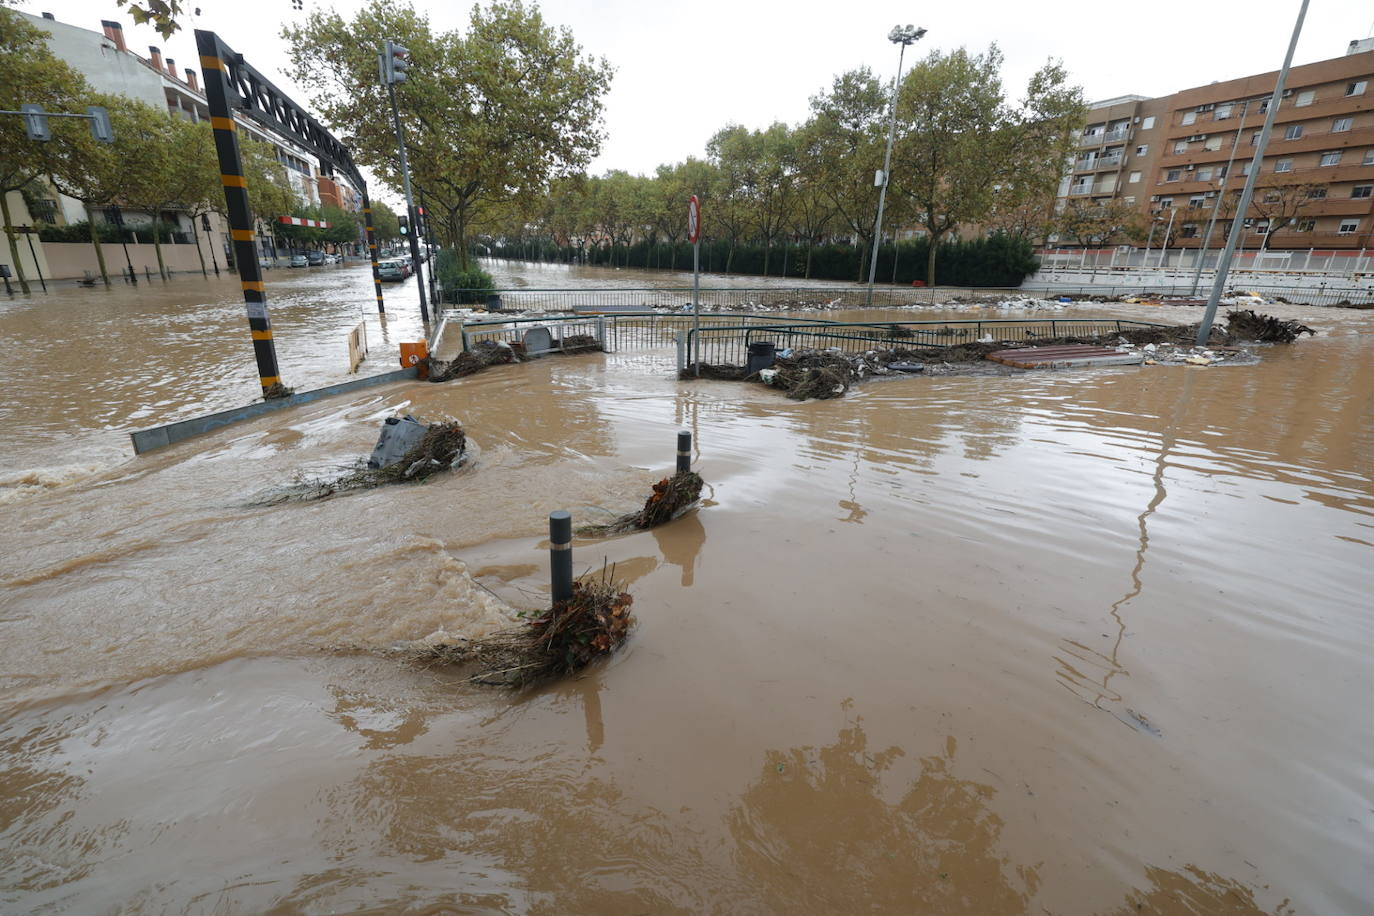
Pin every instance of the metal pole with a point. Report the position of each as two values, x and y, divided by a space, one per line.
1164 249
410 205
560 555
429 255
1204 330
240 214
28 234
684 450
1221 195
372 253
696 303
887 166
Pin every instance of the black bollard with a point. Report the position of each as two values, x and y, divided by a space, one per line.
684 450
560 555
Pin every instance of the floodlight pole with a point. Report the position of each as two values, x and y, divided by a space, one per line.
1221 195
410 204
903 37
1204 330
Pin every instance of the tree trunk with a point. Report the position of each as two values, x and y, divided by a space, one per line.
767 250
157 244
196 233
930 259
14 245
95 242
808 260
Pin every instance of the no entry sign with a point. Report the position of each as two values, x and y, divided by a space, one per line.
693 219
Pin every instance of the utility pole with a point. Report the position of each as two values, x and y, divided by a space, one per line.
902 36
1204 330
395 60
1221 195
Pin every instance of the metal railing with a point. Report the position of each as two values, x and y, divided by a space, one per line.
615 332
728 344
742 299
1183 289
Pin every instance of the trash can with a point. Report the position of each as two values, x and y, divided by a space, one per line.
493 303
761 355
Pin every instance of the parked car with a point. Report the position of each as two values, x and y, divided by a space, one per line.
266 263
333 259
299 260
316 258
391 270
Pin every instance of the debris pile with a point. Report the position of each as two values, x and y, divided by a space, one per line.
671 497
581 343
483 354
443 446
1245 324
560 641
807 374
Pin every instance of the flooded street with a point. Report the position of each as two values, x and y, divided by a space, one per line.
1085 641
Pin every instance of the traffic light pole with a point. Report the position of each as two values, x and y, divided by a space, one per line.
410 205
240 215
372 253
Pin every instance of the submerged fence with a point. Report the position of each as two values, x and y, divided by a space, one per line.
724 339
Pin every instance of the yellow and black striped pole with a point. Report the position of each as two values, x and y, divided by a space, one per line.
372 252
240 216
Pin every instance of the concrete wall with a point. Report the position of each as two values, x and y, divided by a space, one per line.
72 260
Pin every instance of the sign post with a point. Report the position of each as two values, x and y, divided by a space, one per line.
694 236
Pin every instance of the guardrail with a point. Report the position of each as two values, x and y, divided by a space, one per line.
1317 295
615 332
743 299
729 344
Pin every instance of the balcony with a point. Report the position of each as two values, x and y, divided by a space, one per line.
1080 190
1112 136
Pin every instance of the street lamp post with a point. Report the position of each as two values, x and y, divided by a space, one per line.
900 35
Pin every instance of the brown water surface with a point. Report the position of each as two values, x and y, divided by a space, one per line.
1070 642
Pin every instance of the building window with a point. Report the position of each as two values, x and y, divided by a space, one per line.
1254 138
1222 113
1189 117
1340 125
1142 149
1222 170
1306 225
1149 122
1195 202
1264 106
1316 194
1348 227
1331 158
1204 175
1362 190
1357 88
1173 175
1245 168
1134 178
1369 157
1261 227
1213 144
1292 132
1283 165
1181 147
1271 197
1305 98
1190 230
1166 203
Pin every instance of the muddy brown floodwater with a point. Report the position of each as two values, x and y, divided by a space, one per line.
1089 641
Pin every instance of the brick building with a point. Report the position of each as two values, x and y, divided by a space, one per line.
1174 157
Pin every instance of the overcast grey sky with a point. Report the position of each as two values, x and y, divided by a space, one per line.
685 69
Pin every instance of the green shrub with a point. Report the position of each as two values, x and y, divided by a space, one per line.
462 287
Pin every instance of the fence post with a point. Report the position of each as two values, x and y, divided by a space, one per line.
560 555
681 337
684 450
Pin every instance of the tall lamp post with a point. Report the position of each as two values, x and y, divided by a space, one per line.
900 35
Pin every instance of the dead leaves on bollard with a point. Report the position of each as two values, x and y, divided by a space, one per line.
560 641
671 497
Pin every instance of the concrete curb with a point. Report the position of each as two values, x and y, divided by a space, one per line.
147 440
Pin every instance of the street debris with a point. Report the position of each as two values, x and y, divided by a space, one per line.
1247 325
671 497
483 354
557 642
443 446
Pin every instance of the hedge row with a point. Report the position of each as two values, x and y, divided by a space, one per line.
997 260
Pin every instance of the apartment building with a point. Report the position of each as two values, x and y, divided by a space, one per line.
108 65
1176 156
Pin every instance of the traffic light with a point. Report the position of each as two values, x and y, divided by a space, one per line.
395 63
405 224
100 124
421 222
36 122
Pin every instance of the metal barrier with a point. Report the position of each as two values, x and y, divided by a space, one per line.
615 332
729 344
760 299
1316 295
